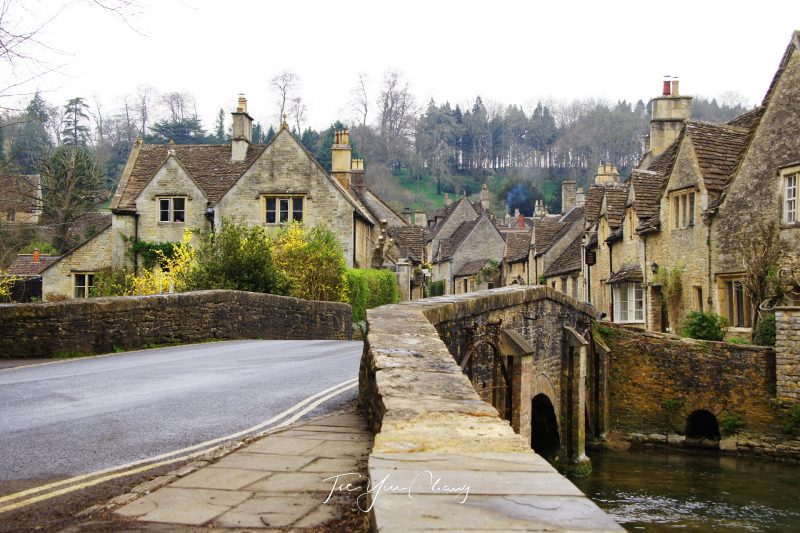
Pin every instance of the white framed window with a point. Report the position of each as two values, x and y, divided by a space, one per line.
628 302
283 209
83 283
790 198
172 209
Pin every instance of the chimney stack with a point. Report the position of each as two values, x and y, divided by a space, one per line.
420 218
669 111
485 197
447 200
568 189
358 176
36 255
341 162
242 130
406 214
580 197
521 220
606 173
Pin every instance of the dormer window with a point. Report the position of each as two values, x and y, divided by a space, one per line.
172 209
683 204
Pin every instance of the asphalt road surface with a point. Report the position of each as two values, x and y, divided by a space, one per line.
79 416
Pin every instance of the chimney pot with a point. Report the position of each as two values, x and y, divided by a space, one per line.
521 219
36 255
675 88
666 90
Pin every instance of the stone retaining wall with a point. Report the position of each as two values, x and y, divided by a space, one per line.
787 348
100 325
431 425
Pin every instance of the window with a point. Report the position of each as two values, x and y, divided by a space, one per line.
282 210
11 215
575 288
84 284
683 210
790 199
172 209
628 302
697 293
564 285
734 304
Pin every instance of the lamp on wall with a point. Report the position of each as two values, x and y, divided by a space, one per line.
654 267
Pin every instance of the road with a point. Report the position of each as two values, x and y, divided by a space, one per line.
79 416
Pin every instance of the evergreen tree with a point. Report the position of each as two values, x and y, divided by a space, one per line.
181 131
75 132
270 135
258 133
219 127
31 142
72 184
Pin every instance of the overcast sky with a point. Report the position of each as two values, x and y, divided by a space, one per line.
508 52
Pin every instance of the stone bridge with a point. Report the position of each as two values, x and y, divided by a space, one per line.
459 389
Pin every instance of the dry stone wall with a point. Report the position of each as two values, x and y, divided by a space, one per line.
99 325
787 348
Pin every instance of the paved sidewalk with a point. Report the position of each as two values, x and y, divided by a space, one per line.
277 482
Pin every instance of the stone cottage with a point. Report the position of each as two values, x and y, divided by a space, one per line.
168 189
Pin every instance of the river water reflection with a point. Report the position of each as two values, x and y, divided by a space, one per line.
671 491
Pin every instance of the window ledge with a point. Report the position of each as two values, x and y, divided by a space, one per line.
789 225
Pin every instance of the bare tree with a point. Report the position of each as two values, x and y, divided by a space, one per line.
284 86
298 112
178 105
55 122
760 251
397 116
144 101
360 100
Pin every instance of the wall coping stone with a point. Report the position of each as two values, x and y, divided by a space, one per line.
430 422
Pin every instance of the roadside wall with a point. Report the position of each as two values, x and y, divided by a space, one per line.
787 348
100 325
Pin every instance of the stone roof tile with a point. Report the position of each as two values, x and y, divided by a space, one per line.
24 266
518 246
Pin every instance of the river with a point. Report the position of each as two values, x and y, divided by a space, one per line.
663 490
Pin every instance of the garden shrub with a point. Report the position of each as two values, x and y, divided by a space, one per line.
312 260
435 288
370 288
704 326
765 331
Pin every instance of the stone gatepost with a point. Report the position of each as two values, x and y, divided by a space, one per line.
575 432
404 279
787 353
519 356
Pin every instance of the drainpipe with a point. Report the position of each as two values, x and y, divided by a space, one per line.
646 288
708 246
135 241
610 288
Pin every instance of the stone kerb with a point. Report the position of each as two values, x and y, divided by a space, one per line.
98 325
431 426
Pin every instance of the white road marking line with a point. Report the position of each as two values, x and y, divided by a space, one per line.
116 471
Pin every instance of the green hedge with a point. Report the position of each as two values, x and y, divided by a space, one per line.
435 288
370 288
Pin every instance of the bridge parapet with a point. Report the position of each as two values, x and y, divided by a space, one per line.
444 458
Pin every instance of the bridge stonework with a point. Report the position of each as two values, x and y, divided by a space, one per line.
433 418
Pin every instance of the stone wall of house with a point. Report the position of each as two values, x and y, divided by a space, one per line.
687 247
94 254
754 194
171 180
286 169
787 352
515 271
656 381
484 242
463 212
100 325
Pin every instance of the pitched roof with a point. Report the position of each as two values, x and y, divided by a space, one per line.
629 272
594 202
747 120
448 246
471 268
616 199
209 165
441 215
718 148
411 240
518 245
377 207
663 163
86 241
569 261
24 266
646 186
